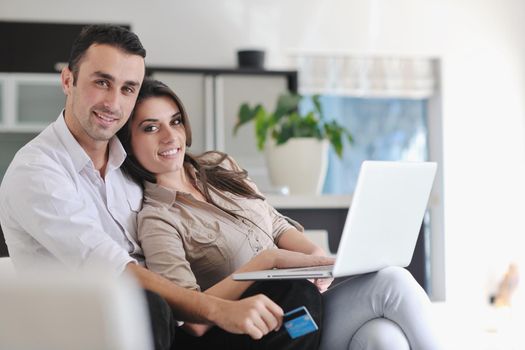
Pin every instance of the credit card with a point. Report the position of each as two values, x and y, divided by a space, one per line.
299 322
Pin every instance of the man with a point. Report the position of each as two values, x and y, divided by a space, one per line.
65 200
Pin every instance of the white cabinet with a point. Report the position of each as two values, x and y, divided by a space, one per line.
29 101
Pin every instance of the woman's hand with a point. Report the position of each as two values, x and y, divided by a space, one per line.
287 259
283 259
297 241
322 284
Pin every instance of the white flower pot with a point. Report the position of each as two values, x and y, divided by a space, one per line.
300 164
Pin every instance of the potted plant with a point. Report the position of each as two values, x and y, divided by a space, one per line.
297 155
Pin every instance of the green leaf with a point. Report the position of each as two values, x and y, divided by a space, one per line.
316 99
337 143
286 104
349 137
286 132
246 114
261 127
334 134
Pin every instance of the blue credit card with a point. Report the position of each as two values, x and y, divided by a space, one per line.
299 322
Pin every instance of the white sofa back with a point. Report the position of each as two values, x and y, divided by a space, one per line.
6 266
64 310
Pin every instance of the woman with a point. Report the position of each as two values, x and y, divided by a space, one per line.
203 219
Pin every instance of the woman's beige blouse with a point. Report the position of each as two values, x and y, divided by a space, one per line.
195 244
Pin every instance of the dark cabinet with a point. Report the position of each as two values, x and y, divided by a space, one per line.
33 47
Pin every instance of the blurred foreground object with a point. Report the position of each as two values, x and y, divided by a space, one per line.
65 310
507 287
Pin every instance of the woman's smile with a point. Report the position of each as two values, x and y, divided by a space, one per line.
170 153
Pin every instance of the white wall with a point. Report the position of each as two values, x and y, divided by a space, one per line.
480 43
207 32
483 113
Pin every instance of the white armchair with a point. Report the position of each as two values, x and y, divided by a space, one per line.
64 310
6 267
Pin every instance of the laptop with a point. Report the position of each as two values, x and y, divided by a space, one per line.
382 224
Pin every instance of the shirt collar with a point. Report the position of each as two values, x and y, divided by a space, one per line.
78 156
117 154
80 159
159 193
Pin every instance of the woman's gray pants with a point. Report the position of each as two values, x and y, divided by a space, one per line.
387 309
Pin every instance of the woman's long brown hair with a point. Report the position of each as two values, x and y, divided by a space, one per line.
206 167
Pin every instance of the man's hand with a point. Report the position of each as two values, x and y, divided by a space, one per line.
255 316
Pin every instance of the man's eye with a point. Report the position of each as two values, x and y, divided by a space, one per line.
151 128
102 83
128 90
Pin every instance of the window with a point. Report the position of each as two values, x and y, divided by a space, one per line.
383 129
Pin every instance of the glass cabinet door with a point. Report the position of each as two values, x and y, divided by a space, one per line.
39 100
29 101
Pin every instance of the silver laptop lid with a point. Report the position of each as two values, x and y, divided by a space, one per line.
385 217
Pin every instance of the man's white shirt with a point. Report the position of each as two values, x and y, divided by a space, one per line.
56 208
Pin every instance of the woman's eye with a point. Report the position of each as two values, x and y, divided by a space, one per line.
176 121
151 128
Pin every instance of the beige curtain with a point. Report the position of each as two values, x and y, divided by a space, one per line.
360 76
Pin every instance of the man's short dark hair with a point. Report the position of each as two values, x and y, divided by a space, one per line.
112 35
